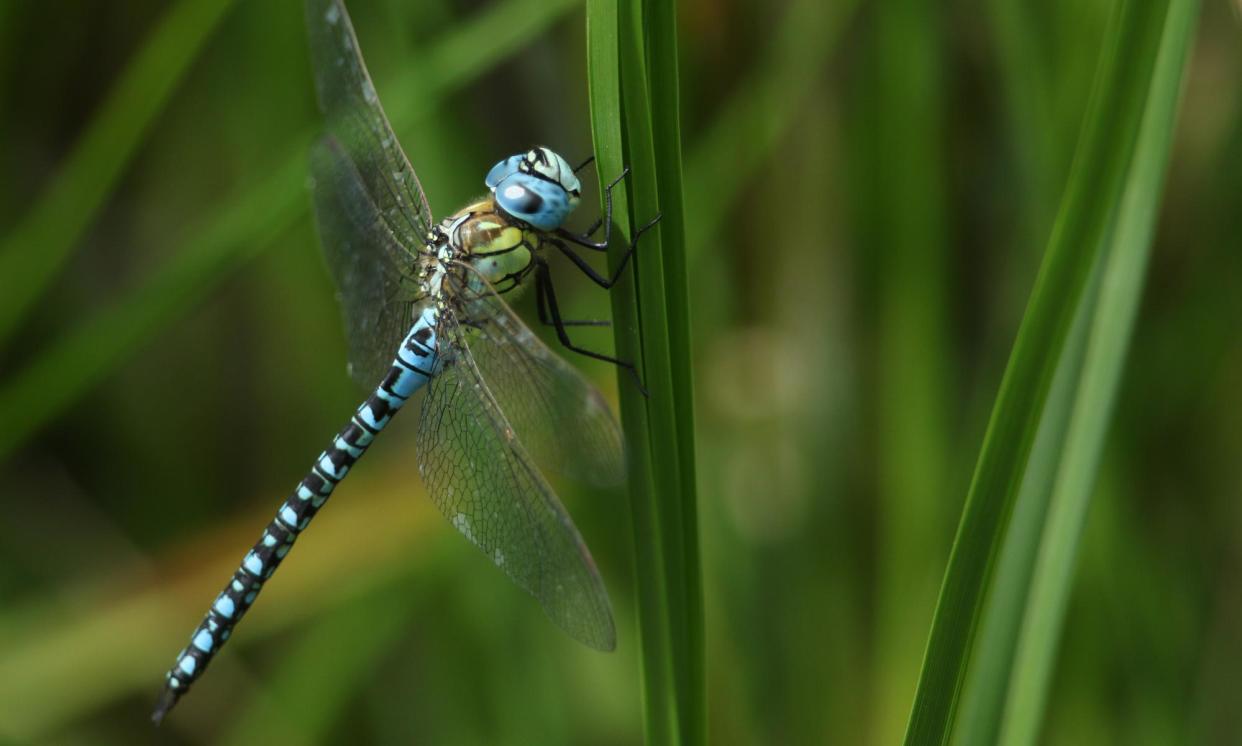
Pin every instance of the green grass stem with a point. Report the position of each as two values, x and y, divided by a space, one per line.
632 71
1112 159
1108 325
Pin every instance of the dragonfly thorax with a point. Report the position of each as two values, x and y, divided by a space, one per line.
499 248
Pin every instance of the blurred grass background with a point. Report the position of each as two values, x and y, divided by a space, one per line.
868 195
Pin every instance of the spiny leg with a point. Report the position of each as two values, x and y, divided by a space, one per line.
590 271
584 239
546 294
543 277
586 269
599 222
546 319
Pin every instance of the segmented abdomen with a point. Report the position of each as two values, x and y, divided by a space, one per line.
413 366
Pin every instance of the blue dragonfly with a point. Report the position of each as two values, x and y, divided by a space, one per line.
423 308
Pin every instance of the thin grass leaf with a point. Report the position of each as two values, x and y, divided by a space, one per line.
38 246
603 62
1105 342
984 691
653 344
651 316
685 578
904 209
242 227
1103 167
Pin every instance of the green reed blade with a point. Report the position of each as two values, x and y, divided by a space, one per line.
632 64
1104 168
603 60
660 25
1105 343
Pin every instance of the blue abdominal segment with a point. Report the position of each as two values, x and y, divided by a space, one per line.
413 367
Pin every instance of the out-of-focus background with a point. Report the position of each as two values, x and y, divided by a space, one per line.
869 190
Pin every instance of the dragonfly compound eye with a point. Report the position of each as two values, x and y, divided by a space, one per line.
519 200
538 187
503 170
541 203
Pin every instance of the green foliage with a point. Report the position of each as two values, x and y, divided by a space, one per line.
38 246
823 318
1044 439
634 105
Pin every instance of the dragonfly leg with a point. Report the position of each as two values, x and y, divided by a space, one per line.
543 283
604 282
599 222
584 239
546 319
587 269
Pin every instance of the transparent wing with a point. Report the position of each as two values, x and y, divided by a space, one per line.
561 419
356 119
482 479
368 264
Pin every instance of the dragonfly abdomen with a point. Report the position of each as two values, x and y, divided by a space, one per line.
413 366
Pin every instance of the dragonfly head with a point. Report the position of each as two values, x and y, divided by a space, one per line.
537 187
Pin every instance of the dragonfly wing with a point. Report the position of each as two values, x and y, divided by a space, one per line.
563 420
482 479
357 121
368 264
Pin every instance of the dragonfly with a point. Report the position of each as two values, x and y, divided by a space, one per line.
423 309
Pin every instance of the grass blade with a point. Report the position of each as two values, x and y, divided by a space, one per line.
902 213
603 59
684 576
38 246
1087 218
1106 341
632 64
